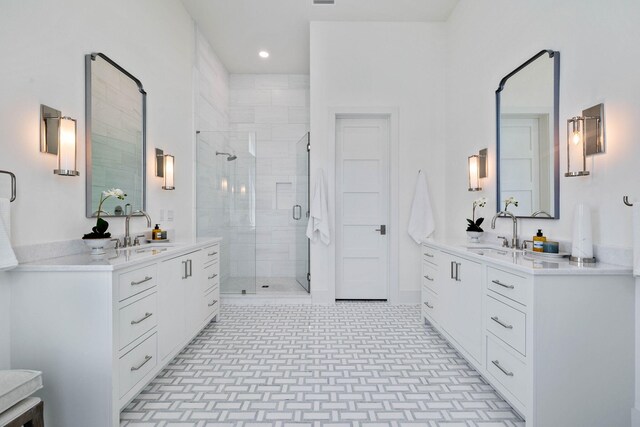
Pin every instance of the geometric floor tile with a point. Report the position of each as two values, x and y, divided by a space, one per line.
350 364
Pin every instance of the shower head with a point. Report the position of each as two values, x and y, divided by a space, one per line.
230 157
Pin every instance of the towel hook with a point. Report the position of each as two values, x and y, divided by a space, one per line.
13 184
625 199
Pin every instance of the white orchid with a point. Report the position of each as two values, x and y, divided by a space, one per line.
481 202
510 201
113 192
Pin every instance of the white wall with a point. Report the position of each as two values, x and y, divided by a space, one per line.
388 66
42 50
599 62
5 301
276 107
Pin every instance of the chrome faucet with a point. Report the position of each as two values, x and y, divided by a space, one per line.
514 238
127 237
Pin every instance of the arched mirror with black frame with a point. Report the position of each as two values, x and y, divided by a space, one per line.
527 150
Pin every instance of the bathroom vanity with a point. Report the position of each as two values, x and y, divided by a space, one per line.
100 328
555 340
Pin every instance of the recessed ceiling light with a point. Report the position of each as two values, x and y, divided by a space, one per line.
263 54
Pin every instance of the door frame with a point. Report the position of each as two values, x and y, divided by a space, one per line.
391 114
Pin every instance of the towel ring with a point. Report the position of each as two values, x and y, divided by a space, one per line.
13 184
625 200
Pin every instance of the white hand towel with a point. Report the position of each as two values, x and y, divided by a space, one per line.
635 227
421 223
318 214
7 257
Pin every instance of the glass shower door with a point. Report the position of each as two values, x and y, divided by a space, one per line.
226 204
300 212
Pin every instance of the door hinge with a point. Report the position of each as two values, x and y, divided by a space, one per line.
309 147
309 277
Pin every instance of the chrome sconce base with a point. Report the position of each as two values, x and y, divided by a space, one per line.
66 172
579 173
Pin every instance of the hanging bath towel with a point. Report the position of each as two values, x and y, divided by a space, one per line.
7 257
421 224
318 214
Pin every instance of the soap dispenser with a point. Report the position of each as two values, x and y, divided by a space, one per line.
538 241
156 234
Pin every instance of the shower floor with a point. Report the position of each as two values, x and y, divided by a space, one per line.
267 286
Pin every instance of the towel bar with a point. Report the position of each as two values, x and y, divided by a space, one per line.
625 199
13 184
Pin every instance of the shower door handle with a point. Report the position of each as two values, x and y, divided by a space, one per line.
299 212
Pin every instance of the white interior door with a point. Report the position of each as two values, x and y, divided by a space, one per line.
519 163
362 208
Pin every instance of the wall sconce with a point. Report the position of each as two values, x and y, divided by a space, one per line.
586 131
477 169
58 135
165 168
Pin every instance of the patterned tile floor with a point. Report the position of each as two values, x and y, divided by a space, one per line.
352 364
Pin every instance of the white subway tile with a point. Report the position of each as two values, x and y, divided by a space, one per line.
290 98
242 81
272 81
249 97
271 114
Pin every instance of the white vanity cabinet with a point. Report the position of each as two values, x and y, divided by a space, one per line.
101 329
555 340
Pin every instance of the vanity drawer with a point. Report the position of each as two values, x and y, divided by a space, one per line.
136 364
211 253
430 255
507 369
137 318
430 277
429 305
507 284
507 323
135 281
212 302
212 276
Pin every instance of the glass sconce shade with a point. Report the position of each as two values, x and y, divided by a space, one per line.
575 138
169 163
67 147
474 173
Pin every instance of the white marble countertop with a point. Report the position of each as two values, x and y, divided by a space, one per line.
116 259
524 262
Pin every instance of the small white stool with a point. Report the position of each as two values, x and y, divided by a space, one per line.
17 408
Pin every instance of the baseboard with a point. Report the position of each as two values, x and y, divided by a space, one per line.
321 296
635 417
409 297
249 299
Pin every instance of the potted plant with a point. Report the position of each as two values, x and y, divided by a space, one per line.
474 231
99 237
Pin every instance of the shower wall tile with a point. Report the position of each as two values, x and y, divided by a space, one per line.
271 115
271 81
242 81
241 115
242 97
299 115
276 107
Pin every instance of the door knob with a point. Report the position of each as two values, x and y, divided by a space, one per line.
382 229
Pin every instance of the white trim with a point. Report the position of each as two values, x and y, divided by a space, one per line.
394 193
635 417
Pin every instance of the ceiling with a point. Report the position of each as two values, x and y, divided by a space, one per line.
238 29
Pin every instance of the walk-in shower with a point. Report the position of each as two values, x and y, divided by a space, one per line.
259 206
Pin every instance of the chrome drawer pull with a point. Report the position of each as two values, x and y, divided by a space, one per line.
428 254
501 323
427 304
146 316
499 283
428 278
213 303
146 279
146 359
504 371
213 253
213 277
